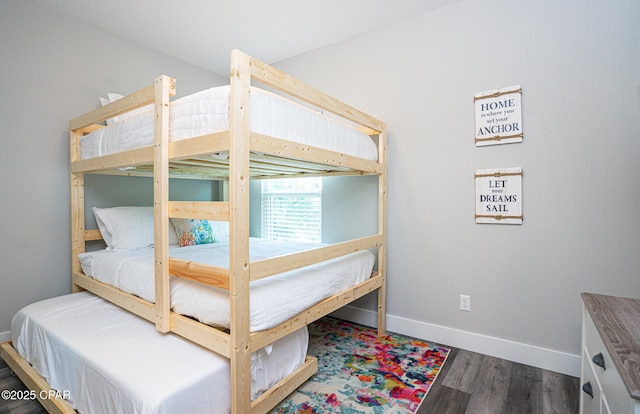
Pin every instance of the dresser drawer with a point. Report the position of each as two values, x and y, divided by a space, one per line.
589 404
613 389
611 334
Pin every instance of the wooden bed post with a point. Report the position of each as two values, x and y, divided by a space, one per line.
382 229
77 207
240 80
163 86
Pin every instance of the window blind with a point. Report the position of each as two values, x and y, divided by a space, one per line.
292 209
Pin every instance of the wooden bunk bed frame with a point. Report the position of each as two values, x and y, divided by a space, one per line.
251 155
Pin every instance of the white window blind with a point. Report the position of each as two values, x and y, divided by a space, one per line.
292 209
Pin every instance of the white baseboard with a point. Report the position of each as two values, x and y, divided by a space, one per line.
535 356
5 336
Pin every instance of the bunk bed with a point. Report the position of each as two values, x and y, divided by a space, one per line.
235 152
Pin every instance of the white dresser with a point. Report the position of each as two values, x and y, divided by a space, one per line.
610 355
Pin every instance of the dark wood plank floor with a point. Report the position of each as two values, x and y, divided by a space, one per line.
469 383
8 381
472 383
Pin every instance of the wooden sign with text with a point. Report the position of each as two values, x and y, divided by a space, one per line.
499 195
499 116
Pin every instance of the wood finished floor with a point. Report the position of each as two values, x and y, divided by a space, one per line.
8 381
472 383
469 383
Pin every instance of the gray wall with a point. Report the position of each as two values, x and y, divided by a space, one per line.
53 69
579 66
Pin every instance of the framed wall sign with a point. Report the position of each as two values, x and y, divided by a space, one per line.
499 195
498 116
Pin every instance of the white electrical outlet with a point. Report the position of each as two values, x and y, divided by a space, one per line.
465 303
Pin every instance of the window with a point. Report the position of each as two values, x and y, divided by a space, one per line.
292 209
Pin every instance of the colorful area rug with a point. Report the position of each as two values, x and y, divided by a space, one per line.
361 373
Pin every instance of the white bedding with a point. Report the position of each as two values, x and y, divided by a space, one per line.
111 361
207 111
273 300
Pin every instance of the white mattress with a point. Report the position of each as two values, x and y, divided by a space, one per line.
207 112
110 361
273 299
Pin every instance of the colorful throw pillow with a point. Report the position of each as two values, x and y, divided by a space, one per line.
192 232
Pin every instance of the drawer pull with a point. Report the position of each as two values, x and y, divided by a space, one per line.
599 360
588 389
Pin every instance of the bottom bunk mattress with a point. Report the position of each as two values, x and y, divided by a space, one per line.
111 361
274 299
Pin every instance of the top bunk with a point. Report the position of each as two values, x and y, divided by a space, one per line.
293 130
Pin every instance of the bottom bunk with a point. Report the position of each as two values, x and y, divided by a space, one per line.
274 299
101 358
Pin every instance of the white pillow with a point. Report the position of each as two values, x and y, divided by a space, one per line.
114 97
103 102
220 229
128 228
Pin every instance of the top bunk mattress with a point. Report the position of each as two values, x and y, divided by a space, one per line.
273 299
207 112
107 360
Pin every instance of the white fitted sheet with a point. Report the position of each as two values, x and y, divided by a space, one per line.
207 112
111 361
273 299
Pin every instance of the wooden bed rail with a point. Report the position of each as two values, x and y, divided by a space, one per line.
219 277
267 267
275 78
130 102
262 338
92 235
209 275
50 399
205 210
259 269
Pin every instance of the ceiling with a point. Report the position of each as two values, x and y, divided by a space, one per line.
203 32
